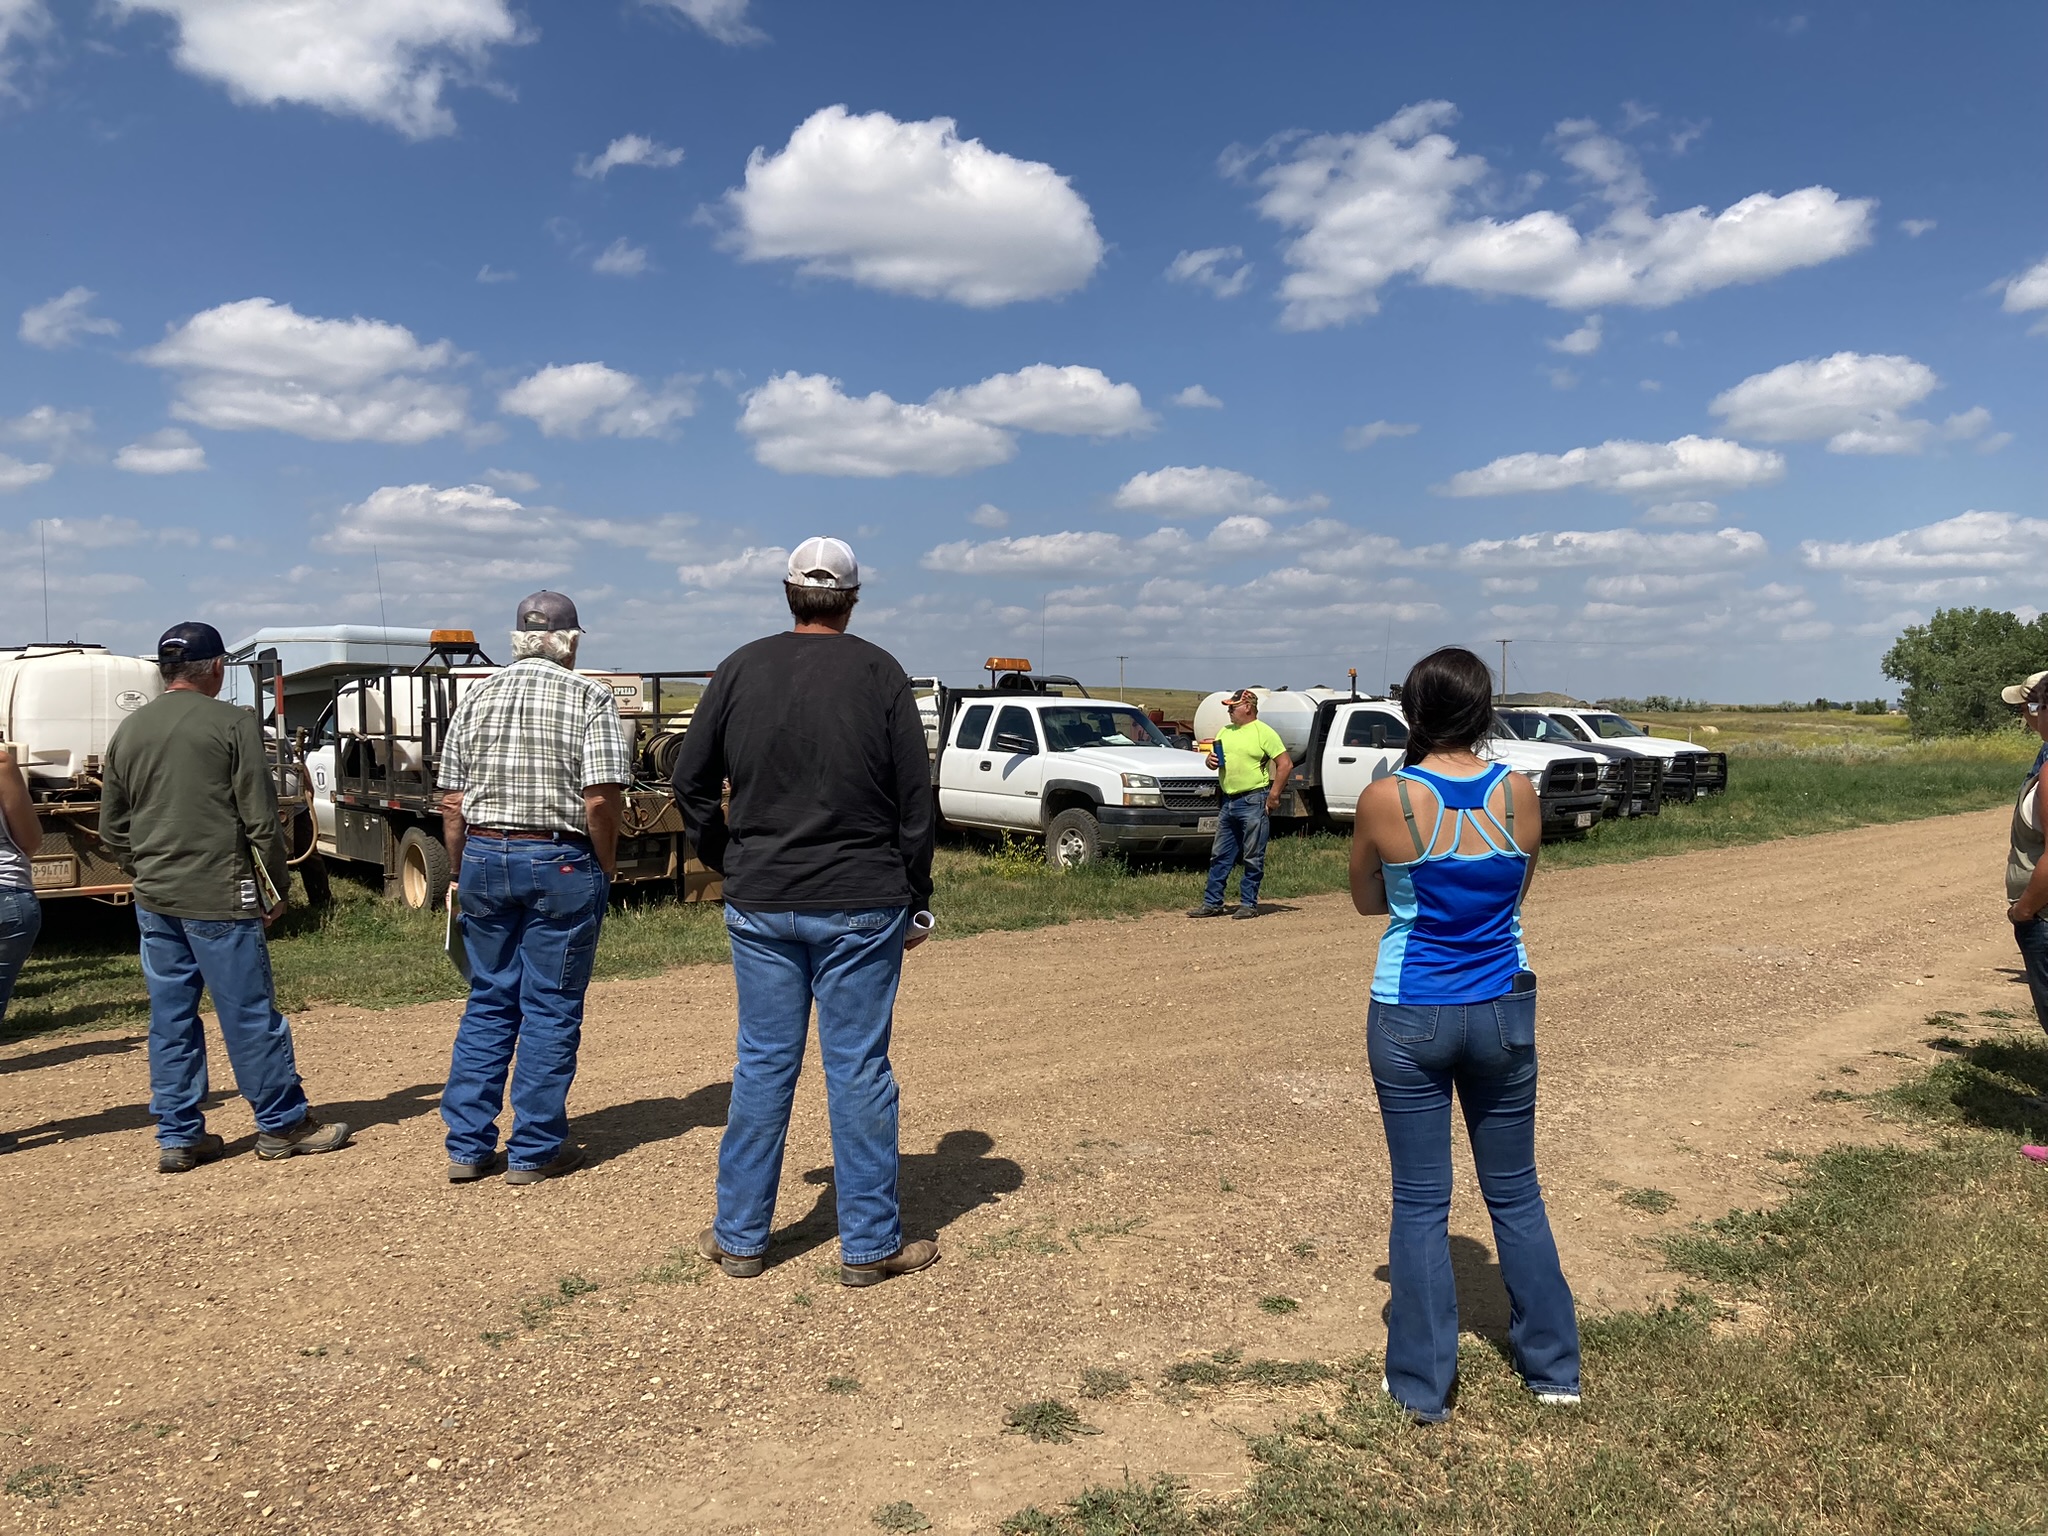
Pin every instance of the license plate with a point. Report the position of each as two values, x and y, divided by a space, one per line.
1206 824
53 874
1583 819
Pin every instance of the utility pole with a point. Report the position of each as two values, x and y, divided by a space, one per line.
1504 669
1120 678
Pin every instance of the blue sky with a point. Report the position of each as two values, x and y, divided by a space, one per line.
1695 349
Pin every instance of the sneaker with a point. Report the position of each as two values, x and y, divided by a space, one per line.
2034 1154
568 1160
185 1159
1248 909
1205 911
469 1173
905 1260
1556 1399
309 1135
731 1263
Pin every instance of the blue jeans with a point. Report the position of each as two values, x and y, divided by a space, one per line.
21 919
2033 942
850 963
181 956
532 911
1241 832
1488 1052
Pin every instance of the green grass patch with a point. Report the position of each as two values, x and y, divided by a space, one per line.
371 953
1864 1357
1278 1306
1655 1201
1047 1420
902 1516
842 1386
1103 1381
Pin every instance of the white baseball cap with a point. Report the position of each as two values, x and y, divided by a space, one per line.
2019 693
827 563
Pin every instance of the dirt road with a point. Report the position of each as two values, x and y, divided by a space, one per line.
1126 1136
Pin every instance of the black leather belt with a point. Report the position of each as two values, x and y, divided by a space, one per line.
527 835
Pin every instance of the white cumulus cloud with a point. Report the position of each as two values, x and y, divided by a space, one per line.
2029 291
621 258
1373 431
913 208
749 566
172 451
1077 553
804 424
1970 541
628 149
21 22
1400 200
1073 401
16 475
989 515
1206 269
1582 342
1855 400
58 432
256 363
385 60
1625 468
1196 398
452 540
59 322
725 20
1203 491
1616 546
572 399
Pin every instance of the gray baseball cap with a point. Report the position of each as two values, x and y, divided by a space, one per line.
546 610
826 563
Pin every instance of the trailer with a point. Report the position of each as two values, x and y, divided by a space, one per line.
374 753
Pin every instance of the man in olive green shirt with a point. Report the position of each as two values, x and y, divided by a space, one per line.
1252 766
188 810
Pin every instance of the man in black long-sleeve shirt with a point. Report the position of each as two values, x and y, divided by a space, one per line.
827 858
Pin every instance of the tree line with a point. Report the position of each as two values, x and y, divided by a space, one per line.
1954 665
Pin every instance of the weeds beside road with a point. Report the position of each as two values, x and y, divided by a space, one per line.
374 954
1866 1356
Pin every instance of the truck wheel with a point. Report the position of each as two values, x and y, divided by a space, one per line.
1073 838
422 870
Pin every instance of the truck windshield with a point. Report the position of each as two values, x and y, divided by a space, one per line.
1071 727
1608 727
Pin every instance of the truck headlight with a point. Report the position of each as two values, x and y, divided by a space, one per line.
1142 789
1140 781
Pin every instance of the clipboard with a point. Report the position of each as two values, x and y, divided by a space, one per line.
455 942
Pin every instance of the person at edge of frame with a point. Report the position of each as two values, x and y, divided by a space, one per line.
533 775
1446 848
2026 871
1252 766
188 810
21 915
826 853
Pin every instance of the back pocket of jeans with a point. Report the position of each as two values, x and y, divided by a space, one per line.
1517 1015
1409 1023
565 886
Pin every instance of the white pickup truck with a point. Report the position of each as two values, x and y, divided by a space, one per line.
1690 772
1038 757
1342 742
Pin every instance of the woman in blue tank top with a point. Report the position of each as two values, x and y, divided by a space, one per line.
1445 848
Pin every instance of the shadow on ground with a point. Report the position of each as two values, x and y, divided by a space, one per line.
935 1189
1997 1085
619 1128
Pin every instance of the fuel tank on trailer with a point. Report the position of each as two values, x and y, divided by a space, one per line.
61 704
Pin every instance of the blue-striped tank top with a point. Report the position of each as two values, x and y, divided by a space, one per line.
1454 930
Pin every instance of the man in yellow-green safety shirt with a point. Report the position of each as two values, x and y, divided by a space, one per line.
1252 763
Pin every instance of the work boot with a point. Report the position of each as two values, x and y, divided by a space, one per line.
185 1159
731 1263
1247 909
469 1173
568 1160
309 1135
1205 911
910 1257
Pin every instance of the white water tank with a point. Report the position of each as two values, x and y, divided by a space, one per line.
360 710
1292 715
61 704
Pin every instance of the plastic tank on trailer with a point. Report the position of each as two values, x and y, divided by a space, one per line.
1292 715
61 704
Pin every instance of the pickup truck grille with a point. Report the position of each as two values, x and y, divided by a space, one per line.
1572 776
1690 775
1190 794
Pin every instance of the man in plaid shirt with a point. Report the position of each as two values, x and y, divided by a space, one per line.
533 775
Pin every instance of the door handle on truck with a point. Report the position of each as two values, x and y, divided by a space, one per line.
984 766
1347 759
